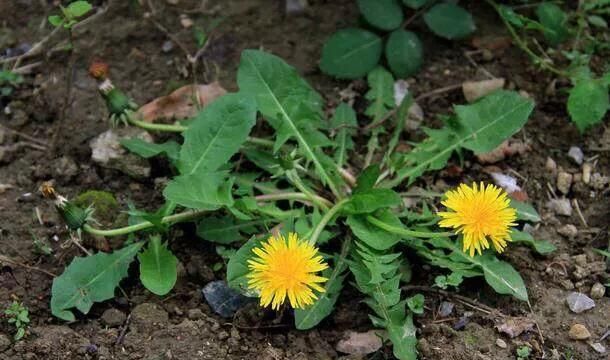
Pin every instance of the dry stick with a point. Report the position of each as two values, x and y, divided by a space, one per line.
16 263
462 299
25 136
536 322
69 80
121 336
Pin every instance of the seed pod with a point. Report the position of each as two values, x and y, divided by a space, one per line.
74 216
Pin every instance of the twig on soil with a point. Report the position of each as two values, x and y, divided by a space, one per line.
471 303
6 259
25 136
582 218
121 337
536 322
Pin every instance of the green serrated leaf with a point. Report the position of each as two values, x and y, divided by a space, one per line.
404 52
554 21
217 133
90 279
237 267
55 20
203 191
416 303
344 122
226 229
372 235
525 211
382 14
368 201
542 247
351 53
588 103
380 94
147 150
158 267
290 105
449 21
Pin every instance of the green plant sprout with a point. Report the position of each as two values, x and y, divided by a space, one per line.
9 81
523 352
297 180
18 315
70 15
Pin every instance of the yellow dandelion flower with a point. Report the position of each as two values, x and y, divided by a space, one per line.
286 268
479 213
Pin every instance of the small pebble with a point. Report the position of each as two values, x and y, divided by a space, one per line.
598 290
167 46
295 7
564 182
598 181
501 343
598 347
586 173
576 154
186 21
550 165
579 332
579 302
570 231
580 259
446 309
560 206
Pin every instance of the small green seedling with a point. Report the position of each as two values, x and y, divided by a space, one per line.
8 82
523 352
18 315
70 14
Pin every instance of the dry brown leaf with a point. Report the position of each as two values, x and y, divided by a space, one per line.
515 326
506 149
181 104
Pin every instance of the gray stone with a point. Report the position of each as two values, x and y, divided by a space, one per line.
107 151
446 308
224 300
560 206
296 7
598 290
598 181
599 347
576 154
570 231
65 168
501 343
564 182
113 317
356 343
579 302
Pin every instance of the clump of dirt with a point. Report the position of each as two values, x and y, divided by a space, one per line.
181 325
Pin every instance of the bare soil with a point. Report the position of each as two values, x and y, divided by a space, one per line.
181 325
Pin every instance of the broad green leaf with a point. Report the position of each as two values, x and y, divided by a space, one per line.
290 105
55 20
598 21
158 267
372 235
415 4
237 267
416 303
217 133
203 191
404 52
382 14
449 21
479 127
148 150
525 211
492 119
542 247
345 124
90 279
588 103
370 200
554 21
311 316
226 229
351 53
502 277
78 8
367 179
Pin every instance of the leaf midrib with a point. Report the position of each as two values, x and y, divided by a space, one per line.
295 130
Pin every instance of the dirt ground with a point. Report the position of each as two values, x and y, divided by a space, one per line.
181 325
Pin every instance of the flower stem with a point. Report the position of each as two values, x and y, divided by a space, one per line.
194 214
404 232
325 220
293 176
180 128
171 219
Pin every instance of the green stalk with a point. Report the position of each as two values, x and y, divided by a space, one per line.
325 220
404 232
293 176
294 196
171 219
180 128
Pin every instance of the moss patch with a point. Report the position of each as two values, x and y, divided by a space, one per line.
105 204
